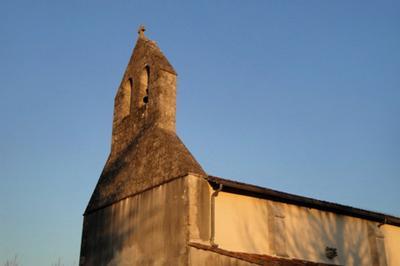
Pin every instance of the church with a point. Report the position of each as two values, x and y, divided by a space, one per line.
155 205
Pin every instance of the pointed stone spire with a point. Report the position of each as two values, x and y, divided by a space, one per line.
145 149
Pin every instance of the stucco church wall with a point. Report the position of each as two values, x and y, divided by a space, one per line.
392 243
146 229
199 193
253 225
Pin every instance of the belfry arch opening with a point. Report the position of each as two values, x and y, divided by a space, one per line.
144 81
125 103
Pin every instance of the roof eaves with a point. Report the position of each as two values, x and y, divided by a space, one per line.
266 193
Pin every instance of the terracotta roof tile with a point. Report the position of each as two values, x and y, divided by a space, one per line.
258 258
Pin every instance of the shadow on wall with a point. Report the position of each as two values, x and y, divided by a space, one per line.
139 230
267 227
310 232
115 228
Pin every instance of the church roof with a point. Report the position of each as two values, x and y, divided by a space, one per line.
258 259
266 193
154 157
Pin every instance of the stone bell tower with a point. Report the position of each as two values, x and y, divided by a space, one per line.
147 95
129 216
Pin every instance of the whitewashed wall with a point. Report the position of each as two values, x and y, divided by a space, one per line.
253 225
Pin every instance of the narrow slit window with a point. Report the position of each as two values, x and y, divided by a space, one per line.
144 86
125 104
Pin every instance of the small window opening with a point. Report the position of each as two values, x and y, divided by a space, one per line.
125 102
146 98
144 86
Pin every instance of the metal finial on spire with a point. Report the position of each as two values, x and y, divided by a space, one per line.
141 31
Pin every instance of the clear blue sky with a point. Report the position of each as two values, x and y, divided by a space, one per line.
299 96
